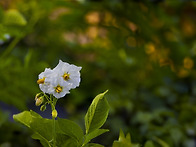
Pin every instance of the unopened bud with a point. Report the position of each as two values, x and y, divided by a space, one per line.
43 108
54 113
39 101
38 95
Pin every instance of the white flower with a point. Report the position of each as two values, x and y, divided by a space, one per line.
60 80
44 80
59 88
68 73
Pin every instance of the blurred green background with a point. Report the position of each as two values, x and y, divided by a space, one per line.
142 51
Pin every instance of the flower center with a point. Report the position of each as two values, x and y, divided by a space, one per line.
58 89
41 81
66 76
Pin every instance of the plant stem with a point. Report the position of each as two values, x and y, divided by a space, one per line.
54 132
53 104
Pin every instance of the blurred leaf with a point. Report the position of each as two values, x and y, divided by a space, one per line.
161 142
3 117
14 17
149 144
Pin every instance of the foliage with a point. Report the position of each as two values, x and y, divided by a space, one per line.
67 132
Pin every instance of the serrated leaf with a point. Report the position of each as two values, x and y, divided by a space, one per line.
94 134
97 113
71 129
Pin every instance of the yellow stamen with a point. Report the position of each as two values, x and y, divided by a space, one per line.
58 89
66 76
41 81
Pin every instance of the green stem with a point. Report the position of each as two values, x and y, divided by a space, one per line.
54 132
53 104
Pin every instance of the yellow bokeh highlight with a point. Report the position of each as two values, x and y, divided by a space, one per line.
188 27
182 73
149 48
188 63
92 32
92 17
164 61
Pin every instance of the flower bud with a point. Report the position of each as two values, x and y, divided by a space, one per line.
39 101
38 95
43 108
54 113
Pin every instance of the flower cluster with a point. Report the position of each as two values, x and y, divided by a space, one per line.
60 80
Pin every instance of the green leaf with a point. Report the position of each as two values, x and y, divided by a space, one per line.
34 114
71 129
67 132
41 127
97 113
63 140
124 141
94 134
24 117
42 140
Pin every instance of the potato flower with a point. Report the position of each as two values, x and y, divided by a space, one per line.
44 80
58 88
59 80
68 73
